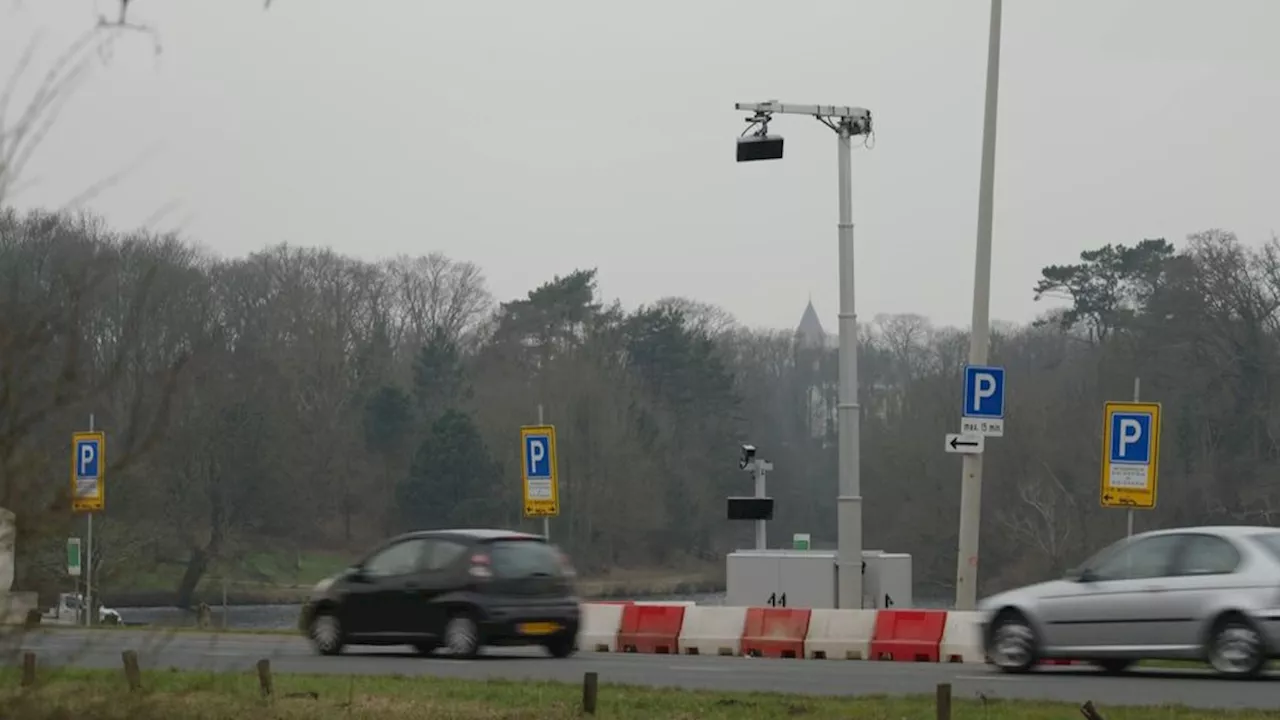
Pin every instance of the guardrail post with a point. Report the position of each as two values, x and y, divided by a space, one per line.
590 687
131 672
28 669
944 701
264 677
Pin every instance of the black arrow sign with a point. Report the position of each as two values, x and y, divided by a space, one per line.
955 443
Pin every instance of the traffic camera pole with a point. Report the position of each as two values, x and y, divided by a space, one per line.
847 122
980 333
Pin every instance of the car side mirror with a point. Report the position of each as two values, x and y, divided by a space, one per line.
1085 575
357 574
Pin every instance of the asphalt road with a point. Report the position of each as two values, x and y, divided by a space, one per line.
239 652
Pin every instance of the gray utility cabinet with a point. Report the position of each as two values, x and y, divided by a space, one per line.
807 579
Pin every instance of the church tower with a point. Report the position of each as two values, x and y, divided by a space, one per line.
813 358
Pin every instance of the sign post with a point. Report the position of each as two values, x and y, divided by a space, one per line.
88 465
538 467
1130 456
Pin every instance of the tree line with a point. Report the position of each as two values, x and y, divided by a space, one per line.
299 398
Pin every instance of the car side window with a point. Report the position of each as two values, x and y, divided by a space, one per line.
443 554
403 558
1207 555
1146 558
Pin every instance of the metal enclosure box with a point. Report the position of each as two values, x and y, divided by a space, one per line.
807 579
887 583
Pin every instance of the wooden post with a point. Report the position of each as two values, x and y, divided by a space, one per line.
264 677
1091 712
28 669
131 671
944 701
590 687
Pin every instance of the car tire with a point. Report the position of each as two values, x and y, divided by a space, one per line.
326 633
462 636
1013 647
1113 666
562 646
1236 648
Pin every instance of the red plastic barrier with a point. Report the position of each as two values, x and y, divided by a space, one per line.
908 635
650 628
775 632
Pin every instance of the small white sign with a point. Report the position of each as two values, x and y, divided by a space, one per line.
985 427
965 443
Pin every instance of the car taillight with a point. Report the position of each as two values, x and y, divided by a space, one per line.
480 566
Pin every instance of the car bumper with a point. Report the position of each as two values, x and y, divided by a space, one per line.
529 625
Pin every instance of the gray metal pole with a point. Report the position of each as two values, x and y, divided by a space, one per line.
761 539
979 335
1137 388
849 501
88 556
546 521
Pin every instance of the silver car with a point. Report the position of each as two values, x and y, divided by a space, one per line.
1208 593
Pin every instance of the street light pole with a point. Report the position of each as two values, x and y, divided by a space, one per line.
980 333
847 122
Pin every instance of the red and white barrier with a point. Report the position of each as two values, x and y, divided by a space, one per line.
962 638
690 629
840 634
712 630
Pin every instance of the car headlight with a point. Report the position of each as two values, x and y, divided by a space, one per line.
323 586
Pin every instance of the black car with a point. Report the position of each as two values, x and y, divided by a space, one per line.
453 589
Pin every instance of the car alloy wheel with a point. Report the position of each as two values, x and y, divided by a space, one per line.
326 634
1013 644
1236 649
461 637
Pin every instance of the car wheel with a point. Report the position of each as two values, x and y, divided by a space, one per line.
462 637
1236 648
326 634
562 646
1013 643
1113 666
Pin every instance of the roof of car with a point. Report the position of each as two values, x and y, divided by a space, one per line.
1235 531
475 533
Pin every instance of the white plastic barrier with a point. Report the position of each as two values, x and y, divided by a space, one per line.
840 634
962 638
598 631
712 630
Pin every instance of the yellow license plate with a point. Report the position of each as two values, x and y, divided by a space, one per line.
539 628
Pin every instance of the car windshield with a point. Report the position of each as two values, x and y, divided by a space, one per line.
1270 541
524 558
1100 556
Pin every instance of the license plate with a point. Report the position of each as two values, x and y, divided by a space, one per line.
539 628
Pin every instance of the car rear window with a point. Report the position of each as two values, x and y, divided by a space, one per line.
524 558
1270 541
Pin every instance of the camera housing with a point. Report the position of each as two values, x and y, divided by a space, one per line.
747 456
759 147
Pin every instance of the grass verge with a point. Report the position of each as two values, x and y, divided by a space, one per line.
174 695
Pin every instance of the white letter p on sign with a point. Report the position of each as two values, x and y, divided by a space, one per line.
537 453
984 386
1130 433
87 451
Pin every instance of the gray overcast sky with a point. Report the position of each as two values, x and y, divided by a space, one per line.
536 137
